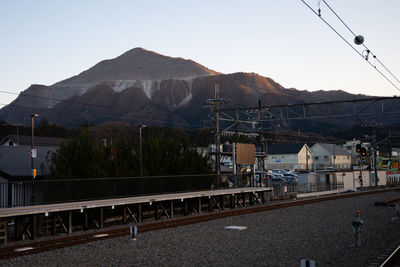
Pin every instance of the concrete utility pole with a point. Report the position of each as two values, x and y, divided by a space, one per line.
217 136
216 102
262 142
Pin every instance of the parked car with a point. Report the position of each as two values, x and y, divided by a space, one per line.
291 180
277 180
279 171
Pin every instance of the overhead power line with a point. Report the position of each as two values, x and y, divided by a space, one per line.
105 115
318 14
81 103
363 43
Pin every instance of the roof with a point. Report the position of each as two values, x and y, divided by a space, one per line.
25 140
284 149
333 149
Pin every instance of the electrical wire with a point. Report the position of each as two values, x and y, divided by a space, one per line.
81 103
375 57
360 54
105 115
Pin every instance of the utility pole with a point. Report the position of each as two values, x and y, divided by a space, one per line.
374 154
374 125
218 137
262 146
216 102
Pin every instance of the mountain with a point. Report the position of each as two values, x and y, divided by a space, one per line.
144 87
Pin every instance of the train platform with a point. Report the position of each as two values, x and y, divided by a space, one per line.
319 232
64 217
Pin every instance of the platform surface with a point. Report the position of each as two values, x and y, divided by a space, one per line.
71 206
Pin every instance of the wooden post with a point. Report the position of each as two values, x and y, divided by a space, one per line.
17 228
140 213
34 227
222 202
53 224
199 204
86 220
232 200
3 231
156 211
124 215
185 203
101 218
70 222
172 208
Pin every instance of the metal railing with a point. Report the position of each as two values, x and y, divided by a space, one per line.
27 193
291 190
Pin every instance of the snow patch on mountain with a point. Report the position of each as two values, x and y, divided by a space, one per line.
120 85
189 95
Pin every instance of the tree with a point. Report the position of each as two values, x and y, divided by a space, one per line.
78 158
167 156
84 158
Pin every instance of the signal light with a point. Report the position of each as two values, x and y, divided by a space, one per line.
358 148
363 152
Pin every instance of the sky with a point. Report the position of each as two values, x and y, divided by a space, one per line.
46 41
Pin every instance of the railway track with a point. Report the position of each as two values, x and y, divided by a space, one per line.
67 241
393 259
389 259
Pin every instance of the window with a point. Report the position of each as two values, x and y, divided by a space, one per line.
11 143
316 157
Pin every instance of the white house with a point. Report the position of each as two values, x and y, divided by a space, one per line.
289 156
330 156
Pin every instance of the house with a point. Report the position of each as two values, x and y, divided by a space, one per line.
25 140
330 156
289 156
15 160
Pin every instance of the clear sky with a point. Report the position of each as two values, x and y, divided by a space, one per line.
45 41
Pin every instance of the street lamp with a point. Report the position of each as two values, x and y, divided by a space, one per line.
140 141
33 154
32 142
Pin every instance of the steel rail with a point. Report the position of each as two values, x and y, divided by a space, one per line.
393 259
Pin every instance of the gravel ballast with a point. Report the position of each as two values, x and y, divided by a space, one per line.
321 232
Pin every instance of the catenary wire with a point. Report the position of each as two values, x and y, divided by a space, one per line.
333 29
363 43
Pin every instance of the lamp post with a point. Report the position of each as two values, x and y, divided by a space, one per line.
32 140
33 155
140 140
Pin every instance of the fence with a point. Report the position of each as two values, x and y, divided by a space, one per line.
291 190
13 194
57 191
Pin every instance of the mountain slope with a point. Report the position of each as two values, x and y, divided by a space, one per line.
139 64
143 87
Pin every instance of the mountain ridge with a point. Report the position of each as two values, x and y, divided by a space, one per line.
144 87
